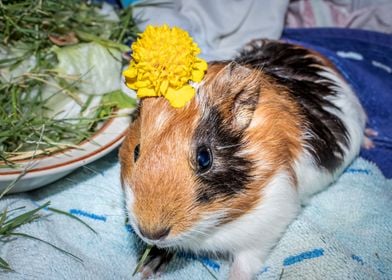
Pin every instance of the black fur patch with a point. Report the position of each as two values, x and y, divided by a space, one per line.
229 173
295 68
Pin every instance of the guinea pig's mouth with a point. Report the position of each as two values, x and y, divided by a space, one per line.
193 237
167 243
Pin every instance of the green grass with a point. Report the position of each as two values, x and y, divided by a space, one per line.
144 257
11 226
28 28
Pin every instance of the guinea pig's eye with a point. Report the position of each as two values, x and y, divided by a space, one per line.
203 159
136 152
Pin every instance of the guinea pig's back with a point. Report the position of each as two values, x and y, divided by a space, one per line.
333 119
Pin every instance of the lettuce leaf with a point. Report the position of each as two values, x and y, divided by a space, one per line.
97 66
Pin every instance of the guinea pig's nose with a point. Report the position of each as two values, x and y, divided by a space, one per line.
157 234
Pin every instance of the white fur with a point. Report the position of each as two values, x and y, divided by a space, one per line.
250 238
129 201
161 121
311 178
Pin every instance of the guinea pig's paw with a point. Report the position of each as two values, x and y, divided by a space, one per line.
245 265
370 132
156 262
367 142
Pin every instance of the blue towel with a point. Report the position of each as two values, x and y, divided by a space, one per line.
365 59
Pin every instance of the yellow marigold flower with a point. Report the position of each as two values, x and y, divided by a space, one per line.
163 63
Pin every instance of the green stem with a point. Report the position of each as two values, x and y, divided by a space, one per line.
15 105
125 26
106 43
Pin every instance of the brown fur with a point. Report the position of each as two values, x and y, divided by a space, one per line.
163 179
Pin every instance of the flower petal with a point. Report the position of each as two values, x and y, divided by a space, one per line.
130 73
197 75
146 92
201 64
178 98
163 87
131 85
142 83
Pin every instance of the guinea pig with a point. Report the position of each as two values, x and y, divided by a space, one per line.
227 173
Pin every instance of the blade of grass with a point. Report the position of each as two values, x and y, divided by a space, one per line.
281 274
4 265
104 42
13 183
128 18
22 219
209 271
16 209
147 3
46 242
28 166
142 259
3 217
72 217
7 228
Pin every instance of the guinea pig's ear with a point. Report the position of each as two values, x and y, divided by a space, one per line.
242 96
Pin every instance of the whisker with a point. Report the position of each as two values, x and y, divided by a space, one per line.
228 146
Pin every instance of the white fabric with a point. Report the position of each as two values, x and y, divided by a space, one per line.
220 27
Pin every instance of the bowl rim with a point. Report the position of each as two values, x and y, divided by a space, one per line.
59 151
72 160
